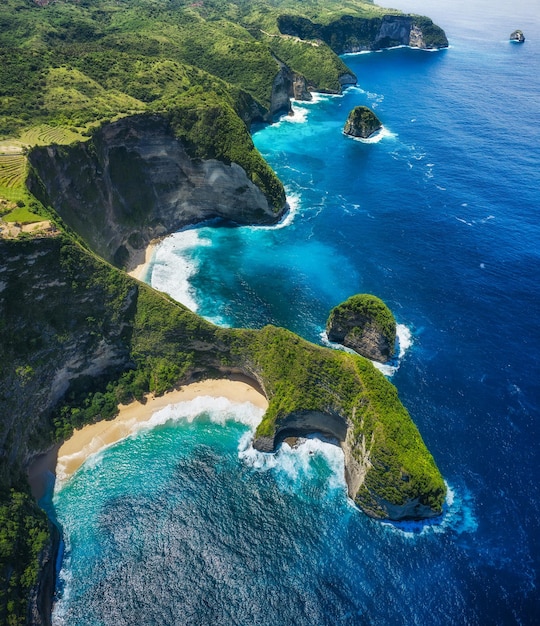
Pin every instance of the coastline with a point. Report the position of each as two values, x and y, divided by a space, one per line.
65 459
139 271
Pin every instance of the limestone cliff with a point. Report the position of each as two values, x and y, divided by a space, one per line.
135 181
354 34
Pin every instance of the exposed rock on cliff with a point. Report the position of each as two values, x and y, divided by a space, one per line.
135 181
365 324
353 34
359 408
287 85
362 122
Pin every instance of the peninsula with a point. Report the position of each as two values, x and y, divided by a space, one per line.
120 123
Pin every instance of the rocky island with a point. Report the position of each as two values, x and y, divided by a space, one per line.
517 36
362 123
365 324
113 132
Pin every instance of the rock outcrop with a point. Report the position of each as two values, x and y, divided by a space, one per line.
42 594
287 84
362 122
517 36
354 34
366 325
134 181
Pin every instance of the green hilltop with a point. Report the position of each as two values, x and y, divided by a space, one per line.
78 335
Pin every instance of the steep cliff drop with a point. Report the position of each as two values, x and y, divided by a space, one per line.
354 34
134 181
365 324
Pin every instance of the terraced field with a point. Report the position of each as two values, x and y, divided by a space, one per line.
43 135
12 170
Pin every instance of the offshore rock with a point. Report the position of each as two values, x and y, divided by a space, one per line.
362 122
517 36
366 325
134 181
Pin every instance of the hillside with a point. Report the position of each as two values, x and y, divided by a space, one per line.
116 120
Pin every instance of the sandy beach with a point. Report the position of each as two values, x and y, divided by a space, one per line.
66 459
139 271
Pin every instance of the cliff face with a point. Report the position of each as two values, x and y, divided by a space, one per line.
287 85
58 326
354 34
134 181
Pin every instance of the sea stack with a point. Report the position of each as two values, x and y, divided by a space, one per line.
365 324
362 122
517 36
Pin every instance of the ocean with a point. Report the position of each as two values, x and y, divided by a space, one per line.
184 523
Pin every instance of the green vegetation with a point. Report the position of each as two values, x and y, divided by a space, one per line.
78 336
24 533
323 67
22 215
12 170
366 306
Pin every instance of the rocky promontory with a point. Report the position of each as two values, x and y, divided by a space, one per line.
365 324
362 123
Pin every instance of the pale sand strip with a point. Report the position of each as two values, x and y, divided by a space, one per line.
94 437
139 271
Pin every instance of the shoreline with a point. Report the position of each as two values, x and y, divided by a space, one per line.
63 460
139 271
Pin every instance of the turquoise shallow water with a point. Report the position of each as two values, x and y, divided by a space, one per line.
184 524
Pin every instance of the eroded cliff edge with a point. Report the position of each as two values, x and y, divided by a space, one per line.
134 181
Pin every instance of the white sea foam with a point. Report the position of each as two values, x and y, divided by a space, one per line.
458 516
299 115
355 54
218 410
294 201
404 340
172 267
376 137
291 464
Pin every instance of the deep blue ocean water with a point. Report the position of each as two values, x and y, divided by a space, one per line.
185 524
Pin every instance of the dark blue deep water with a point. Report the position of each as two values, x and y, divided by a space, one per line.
185 524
